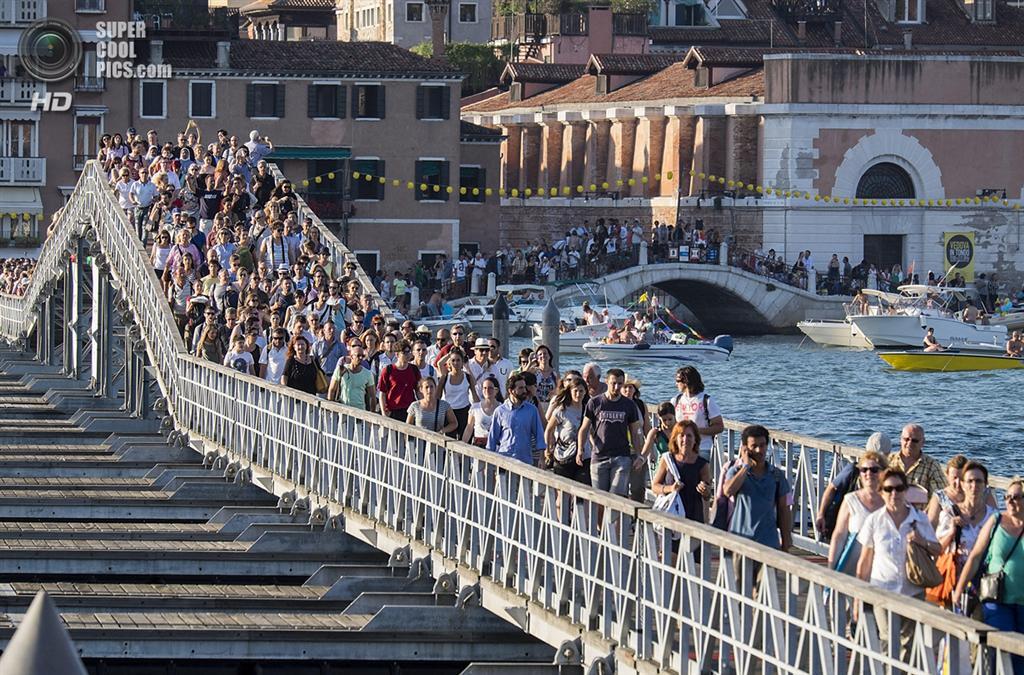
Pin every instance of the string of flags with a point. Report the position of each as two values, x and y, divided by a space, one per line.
720 182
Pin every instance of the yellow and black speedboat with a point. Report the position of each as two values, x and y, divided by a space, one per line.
949 361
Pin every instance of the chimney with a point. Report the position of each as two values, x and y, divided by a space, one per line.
156 51
224 54
837 32
801 30
908 40
438 18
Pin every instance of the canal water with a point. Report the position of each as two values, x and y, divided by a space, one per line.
787 383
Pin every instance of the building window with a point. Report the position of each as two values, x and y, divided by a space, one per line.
90 5
201 99
154 99
467 12
265 99
909 11
474 179
432 180
21 139
368 102
327 101
88 129
363 188
414 12
368 260
324 169
689 14
885 180
433 102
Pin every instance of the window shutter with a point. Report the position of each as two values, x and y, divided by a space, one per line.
444 181
355 102
379 192
418 178
341 94
311 100
421 102
446 103
279 105
481 182
380 101
250 100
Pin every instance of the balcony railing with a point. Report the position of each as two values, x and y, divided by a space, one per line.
22 170
90 5
18 90
89 83
529 27
21 11
629 24
812 11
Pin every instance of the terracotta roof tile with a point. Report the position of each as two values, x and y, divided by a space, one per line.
548 73
630 64
672 83
474 132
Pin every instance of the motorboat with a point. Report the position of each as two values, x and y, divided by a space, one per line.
918 308
1012 318
952 360
529 301
572 341
480 318
706 351
835 333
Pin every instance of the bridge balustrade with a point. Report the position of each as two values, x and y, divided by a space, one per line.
587 571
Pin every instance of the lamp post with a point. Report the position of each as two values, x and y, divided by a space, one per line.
438 15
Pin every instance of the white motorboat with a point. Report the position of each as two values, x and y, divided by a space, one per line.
528 302
480 318
919 308
835 333
571 342
718 349
1013 319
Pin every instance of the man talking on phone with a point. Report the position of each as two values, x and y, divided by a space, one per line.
760 492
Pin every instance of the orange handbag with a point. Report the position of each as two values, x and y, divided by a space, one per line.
942 594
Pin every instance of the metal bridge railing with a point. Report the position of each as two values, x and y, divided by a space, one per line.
581 569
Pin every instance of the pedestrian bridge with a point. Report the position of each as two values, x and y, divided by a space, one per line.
724 299
588 573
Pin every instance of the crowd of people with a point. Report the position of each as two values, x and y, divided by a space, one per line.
15 275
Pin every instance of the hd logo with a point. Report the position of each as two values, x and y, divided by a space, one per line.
51 102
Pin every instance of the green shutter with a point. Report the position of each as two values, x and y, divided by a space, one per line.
341 93
279 104
380 101
250 100
311 93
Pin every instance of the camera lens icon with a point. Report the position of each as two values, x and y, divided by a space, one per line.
50 50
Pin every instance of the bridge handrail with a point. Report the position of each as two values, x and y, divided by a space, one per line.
590 562
340 253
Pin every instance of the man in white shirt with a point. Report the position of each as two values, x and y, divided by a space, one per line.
258 148
273 357
501 367
142 193
480 365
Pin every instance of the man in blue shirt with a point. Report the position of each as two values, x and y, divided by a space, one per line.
516 429
761 493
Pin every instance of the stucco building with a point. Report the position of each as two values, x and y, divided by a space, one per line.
407 23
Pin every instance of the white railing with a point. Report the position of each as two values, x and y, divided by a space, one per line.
561 560
22 11
20 90
25 170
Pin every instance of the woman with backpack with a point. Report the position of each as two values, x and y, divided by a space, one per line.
693 403
458 388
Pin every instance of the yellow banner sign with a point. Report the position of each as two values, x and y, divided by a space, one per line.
959 253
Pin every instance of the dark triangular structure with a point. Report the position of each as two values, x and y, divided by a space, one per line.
41 645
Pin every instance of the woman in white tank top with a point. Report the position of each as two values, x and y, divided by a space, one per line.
458 389
844 550
480 414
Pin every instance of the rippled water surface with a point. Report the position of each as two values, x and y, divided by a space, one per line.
844 395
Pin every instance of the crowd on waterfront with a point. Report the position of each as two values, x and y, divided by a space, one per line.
15 275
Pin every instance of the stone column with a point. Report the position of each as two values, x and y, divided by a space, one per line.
511 151
551 162
647 155
531 155
743 148
577 154
626 134
686 140
710 148
602 137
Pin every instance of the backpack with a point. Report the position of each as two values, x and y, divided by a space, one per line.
704 402
847 485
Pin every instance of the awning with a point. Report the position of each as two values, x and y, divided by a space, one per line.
20 200
9 42
308 152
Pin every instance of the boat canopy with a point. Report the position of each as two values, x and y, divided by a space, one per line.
523 291
891 298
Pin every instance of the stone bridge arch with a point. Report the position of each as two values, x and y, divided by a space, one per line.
723 299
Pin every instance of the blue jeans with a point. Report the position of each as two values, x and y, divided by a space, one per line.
1006 617
611 474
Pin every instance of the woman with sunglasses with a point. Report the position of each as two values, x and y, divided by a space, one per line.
999 548
458 388
844 551
160 252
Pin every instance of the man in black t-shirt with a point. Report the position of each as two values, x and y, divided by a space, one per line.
613 424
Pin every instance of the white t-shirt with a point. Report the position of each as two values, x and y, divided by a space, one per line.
240 361
479 373
889 563
692 408
274 360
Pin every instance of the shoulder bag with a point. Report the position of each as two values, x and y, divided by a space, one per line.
920 568
991 586
670 503
942 594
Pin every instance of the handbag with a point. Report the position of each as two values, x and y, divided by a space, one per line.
942 594
671 503
990 588
920 567
321 380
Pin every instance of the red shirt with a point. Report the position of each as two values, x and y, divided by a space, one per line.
398 386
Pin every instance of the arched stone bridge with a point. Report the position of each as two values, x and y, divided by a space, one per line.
723 299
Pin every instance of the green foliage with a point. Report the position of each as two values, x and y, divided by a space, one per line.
633 6
481 65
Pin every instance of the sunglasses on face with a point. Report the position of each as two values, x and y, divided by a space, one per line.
870 469
907 439
894 488
1015 498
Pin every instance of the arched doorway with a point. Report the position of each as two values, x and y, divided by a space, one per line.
886 180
